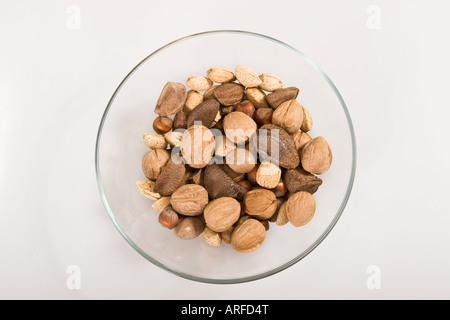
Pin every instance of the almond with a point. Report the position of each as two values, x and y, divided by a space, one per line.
212 237
257 97
194 98
247 76
307 121
220 75
199 83
154 141
270 82
147 189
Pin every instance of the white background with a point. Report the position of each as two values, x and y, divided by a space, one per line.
55 83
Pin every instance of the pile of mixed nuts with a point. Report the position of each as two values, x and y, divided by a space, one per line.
226 162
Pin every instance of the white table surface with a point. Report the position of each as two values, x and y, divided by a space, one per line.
60 66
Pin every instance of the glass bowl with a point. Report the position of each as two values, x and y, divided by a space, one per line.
130 113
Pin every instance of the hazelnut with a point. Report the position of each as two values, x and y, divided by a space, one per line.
316 156
289 116
268 175
265 223
189 228
246 107
248 236
300 208
169 218
240 160
153 162
189 200
251 176
222 213
197 146
162 124
246 184
263 116
260 203
280 189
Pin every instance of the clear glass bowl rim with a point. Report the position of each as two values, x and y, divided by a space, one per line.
260 275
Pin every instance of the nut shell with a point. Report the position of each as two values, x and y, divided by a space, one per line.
239 127
316 156
248 236
171 100
300 208
289 116
189 199
220 214
260 203
189 228
153 162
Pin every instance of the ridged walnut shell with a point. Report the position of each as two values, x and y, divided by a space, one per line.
220 214
248 236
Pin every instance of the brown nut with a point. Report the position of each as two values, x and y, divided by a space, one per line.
209 94
220 75
204 114
316 156
289 116
235 176
270 82
263 116
197 146
226 235
212 237
193 99
300 139
147 189
220 214
282 218
240 160
300 208
251 176
260 203
199 83
218 183
189 200
257 97
171 99
160 204
248 236
279 96
223 146
280 189
162 124
299 180
179 121
169 218
229 94
153 162
189 228
247 76
268 175
154 141
307 121
238 127
171 178
273 143
246 107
